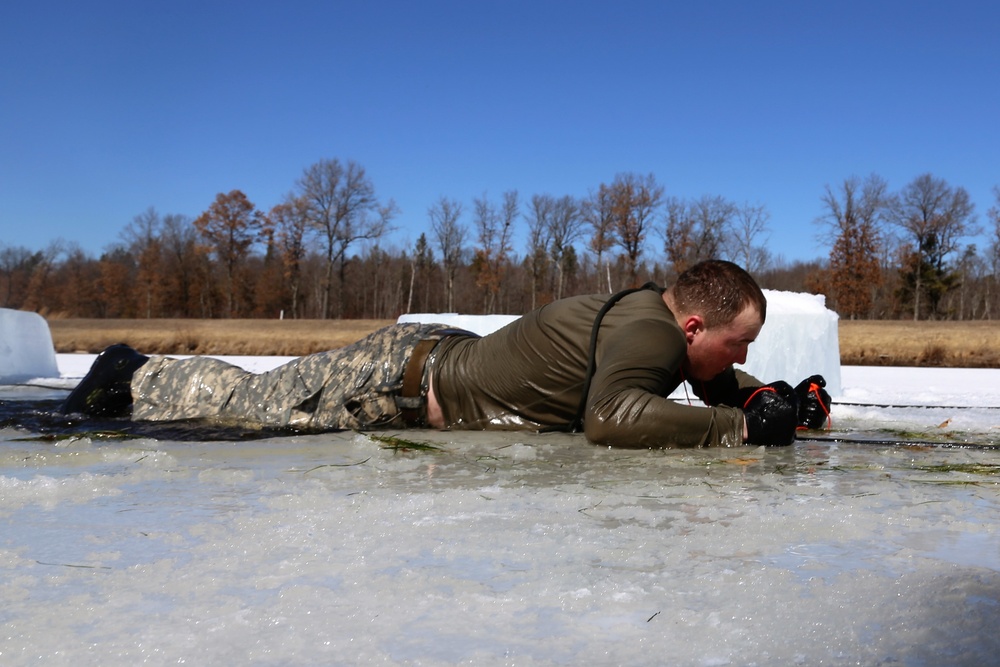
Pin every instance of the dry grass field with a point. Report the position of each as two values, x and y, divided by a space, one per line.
908 343
884 343
235 337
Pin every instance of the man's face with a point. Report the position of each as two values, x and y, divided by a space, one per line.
713 350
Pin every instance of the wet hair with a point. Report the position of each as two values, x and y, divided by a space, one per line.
718 291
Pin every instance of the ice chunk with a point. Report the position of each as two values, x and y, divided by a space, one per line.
26 349
799 339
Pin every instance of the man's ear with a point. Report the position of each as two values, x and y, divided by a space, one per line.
692 325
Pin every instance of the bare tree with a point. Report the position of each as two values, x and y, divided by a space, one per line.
38 293
450 236
970 268
539 219
677 234
115 271
697 230
143 229
420 264
142 236
748 237
340 203
509 210
634 201
597 214
184 266
854 216
77 277
494 230
290 224
565 226
16 265
713 221
381 287
994 215
936 216
993 256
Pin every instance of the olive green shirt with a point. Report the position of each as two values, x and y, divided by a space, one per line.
531 373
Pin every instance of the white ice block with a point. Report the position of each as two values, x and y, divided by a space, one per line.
26 350
799 339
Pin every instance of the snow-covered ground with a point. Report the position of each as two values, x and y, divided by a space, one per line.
510 549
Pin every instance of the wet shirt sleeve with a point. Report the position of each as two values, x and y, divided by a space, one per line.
627 406
731 388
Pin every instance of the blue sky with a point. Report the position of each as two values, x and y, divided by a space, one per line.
108 108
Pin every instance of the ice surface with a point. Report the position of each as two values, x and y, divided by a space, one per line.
799 338
508 549
26 349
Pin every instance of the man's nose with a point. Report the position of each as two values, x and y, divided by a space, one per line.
741 356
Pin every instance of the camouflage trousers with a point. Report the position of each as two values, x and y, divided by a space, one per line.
354 387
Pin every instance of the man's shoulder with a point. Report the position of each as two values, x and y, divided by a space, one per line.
642 311
646 305
643 322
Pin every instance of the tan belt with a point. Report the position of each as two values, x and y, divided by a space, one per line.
412 377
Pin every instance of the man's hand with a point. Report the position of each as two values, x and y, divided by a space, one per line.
814 402
772 413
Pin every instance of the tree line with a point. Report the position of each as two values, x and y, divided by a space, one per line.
903 254
325 251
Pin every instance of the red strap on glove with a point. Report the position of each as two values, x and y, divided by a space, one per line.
814 389
756 391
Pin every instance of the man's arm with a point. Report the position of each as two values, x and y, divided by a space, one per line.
638 366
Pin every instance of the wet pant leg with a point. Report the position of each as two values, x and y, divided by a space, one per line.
351 387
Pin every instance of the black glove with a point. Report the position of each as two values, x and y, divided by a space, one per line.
814 402
772 412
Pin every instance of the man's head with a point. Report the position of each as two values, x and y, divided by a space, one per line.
718 291
721 310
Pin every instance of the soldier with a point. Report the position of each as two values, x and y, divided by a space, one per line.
603 366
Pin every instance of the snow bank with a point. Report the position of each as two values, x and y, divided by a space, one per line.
26 349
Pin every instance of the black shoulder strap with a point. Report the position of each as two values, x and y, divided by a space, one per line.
577 424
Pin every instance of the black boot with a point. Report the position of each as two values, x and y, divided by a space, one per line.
106 389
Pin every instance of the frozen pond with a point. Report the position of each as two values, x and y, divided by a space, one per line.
520 549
